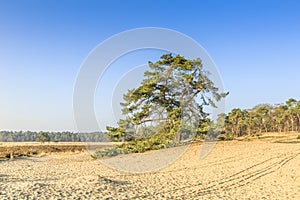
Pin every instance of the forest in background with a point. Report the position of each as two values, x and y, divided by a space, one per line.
262 118
43 136
238 122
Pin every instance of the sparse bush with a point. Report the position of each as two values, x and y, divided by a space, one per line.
137 146
140 146
109 152
298 137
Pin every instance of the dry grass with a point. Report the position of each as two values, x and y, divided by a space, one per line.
35 148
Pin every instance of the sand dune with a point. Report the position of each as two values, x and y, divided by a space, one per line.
232 170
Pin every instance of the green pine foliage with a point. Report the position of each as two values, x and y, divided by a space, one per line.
42 137
262 118
164 107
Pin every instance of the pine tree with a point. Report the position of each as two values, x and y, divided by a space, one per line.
169 102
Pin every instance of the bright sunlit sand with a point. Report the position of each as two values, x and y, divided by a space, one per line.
258 169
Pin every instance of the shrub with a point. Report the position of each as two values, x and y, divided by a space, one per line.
137 146
298 137
140 145
108 152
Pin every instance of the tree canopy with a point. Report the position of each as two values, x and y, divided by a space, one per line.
263 118
42 137
169 103
65 136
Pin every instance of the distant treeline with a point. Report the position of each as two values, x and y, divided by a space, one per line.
261 118
32 136
238 122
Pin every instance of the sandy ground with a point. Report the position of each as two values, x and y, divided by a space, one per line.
232 170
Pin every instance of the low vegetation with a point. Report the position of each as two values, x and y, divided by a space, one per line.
109 152
31 149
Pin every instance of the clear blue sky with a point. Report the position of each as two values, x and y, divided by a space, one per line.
255 44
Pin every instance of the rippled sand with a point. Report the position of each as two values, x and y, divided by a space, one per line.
232 170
